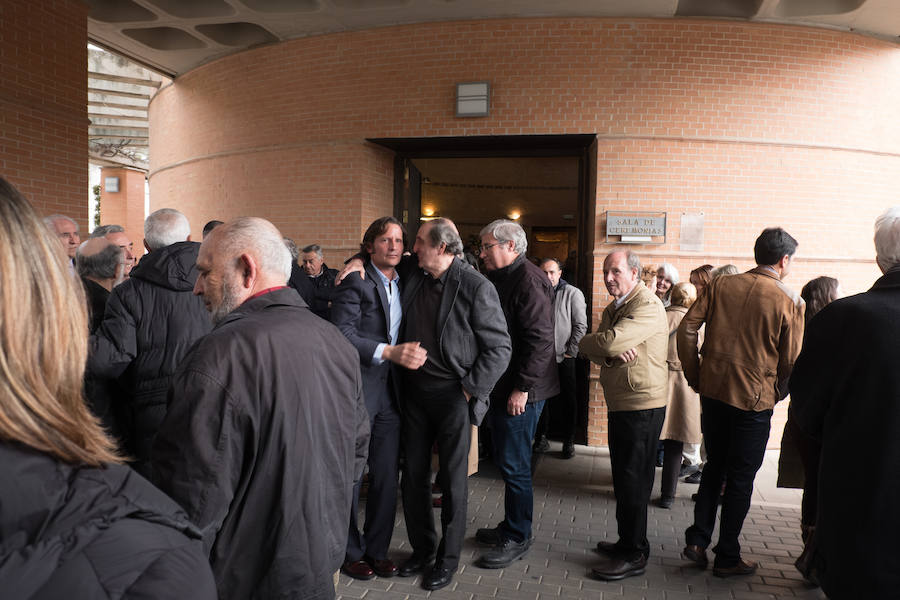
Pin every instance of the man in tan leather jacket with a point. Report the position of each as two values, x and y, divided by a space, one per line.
631 345
754 328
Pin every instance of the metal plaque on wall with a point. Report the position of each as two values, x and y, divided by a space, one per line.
635 227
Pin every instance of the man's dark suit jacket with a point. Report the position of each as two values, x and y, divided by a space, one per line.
471 328
361 311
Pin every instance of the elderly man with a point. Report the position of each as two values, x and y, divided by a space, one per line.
116 234
570 325
321 277
754 326
845 388
260 453
368 311
531 377
66 229
101 266
151 321
630 345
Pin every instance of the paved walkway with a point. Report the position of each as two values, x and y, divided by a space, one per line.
574 508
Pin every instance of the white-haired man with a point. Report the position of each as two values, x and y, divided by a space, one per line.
66 229
518 398
151 321
845 388
263 454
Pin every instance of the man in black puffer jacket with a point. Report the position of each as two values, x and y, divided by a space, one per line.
151 321
93 534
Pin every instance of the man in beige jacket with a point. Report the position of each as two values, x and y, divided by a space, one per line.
754 327
630 345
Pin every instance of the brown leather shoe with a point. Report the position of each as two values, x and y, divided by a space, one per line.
383 568
696 555
744 567
359 569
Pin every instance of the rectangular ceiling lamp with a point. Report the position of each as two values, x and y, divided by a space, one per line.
473 99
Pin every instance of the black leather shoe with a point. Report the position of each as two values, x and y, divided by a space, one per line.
541 445
568 450
437 578
489 536
606 548
358 569
743 567
694 477
696 555
504 554
613 569
383 568
665 502
415 564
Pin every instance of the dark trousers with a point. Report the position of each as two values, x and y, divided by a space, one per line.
672 450
511 438
436 412
566 404
381 500
735 448
633 435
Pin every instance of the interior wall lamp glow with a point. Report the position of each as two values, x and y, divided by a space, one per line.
514 215
473 99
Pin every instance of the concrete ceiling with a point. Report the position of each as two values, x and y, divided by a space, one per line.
175 36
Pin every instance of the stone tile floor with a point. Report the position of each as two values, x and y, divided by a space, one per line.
574 508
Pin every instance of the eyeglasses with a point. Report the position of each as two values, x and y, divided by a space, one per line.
487 247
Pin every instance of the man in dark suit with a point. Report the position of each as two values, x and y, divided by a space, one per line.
368 312
845 388
455 313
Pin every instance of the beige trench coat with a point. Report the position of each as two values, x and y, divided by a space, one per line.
683 411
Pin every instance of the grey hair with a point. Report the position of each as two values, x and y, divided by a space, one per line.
633 261
102 230
669 271
292 248
505 230
728 269
262 239
443 231
165 227
887 238
52 219
314 248
101 265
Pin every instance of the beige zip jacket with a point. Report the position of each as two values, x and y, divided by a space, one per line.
640 323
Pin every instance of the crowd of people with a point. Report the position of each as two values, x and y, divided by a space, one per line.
201 422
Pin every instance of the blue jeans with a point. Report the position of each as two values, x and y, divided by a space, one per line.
512 437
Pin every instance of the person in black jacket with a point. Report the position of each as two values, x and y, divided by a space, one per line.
368 311
519 396
321 277
267 429
73 522
150 323
845 388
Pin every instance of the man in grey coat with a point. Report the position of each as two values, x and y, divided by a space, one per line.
569 326
267 430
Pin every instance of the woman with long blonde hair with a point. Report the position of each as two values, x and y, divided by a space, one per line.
74 521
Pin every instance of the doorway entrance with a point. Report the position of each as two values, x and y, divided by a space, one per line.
547 184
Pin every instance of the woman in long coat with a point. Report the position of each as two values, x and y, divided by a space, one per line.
682 424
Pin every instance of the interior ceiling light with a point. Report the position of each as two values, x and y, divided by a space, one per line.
514 215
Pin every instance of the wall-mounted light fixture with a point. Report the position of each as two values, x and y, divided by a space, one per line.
514 215
473 99
111 184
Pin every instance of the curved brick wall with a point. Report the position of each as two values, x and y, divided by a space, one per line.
752 124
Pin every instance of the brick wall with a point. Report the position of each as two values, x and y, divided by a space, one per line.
751 124
43 104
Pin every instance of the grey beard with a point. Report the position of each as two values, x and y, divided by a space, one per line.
229 302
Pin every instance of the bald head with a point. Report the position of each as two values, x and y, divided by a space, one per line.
101 261
237 260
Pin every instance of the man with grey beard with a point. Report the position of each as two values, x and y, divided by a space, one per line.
267 430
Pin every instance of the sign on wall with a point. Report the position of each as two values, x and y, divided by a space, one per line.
634 227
